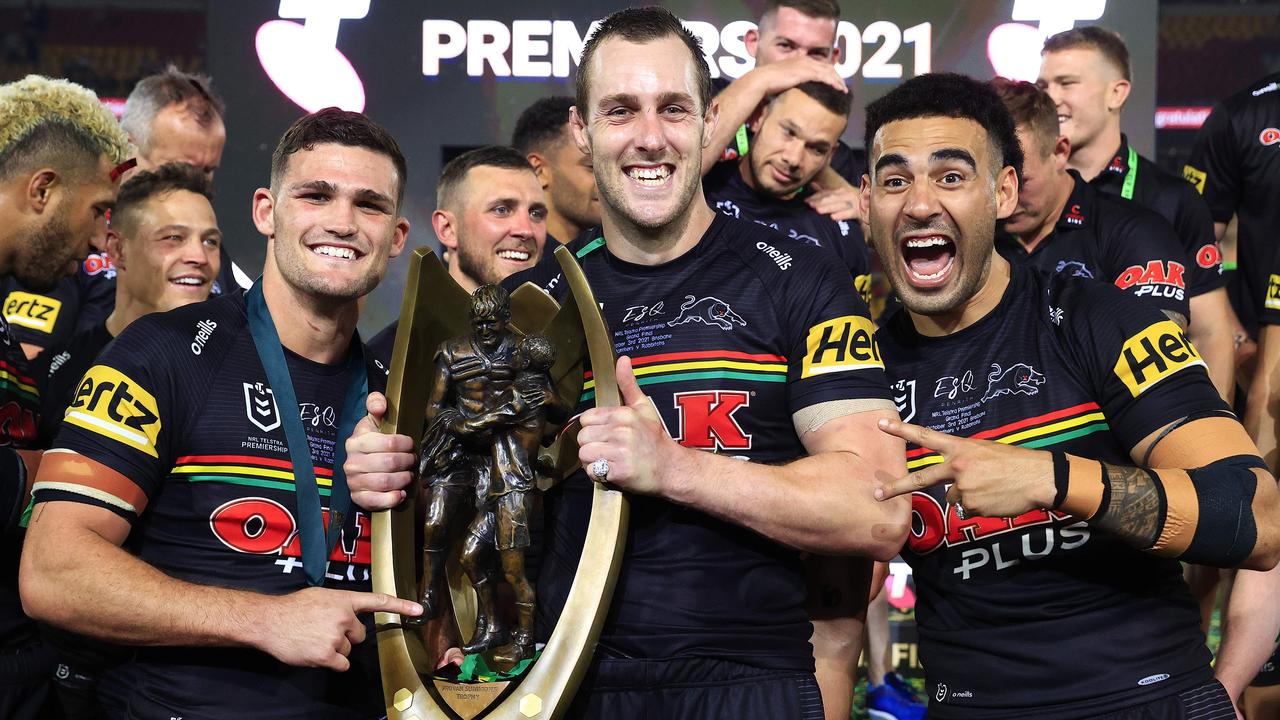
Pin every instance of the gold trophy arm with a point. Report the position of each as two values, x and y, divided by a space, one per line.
434 309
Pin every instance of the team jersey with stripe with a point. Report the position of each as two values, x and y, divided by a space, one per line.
728 343
728 193
1107 239
179 407
1042 615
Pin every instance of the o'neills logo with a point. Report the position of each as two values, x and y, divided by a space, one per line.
204 329
781 258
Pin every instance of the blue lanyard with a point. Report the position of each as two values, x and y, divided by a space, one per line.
316 542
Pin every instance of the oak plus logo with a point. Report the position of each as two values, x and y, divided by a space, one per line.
1014 48
303 60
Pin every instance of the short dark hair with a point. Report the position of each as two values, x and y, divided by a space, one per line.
148 184
953 96
490 301
1031 108
1095 37
824 9
455 171
828 97
165 89
542 124
338 127
641 25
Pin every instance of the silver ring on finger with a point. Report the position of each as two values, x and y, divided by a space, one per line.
960 512
600 470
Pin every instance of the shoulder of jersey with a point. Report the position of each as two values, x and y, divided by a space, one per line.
202 331
1115 214
1265 91
771 253
1074 302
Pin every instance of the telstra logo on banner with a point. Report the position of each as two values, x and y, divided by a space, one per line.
304 60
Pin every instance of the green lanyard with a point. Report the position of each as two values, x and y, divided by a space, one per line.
1130 177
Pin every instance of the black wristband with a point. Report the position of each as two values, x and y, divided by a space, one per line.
1061 478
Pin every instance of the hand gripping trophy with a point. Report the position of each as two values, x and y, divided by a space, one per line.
503 373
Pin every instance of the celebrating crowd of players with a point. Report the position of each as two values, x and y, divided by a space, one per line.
1043 429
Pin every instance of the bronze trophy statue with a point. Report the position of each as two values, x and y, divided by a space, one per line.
485 383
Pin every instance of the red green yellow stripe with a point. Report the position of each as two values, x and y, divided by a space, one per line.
15 381
701 365
1034 432
245 470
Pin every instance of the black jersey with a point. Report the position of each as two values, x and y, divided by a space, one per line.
728 193
19 411
79 302
179 405
62 368
1041 615
1107 239
76 303
729 342
1236 165
1177 202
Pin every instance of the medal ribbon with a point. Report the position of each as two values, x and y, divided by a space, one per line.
1131 176
317 543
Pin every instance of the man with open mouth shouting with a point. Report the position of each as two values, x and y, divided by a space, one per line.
1044 542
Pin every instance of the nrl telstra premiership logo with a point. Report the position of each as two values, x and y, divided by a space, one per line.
1014 48
303 60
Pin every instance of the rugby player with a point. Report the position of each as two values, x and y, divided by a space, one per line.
170 117
794 138
208 438
1252 617
1062 224
542 136
164 242
59 149
794 42
1046 561
491 220
735 354
1086 72
1234 164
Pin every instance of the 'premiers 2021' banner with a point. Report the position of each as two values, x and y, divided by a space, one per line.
446 77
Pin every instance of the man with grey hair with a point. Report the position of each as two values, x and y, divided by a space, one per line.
60 151
172 116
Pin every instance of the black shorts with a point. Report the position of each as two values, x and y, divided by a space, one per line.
694 689
1202 702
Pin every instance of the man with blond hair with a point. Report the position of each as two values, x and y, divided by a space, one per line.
59 155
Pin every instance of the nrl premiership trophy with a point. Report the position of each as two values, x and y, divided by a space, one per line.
484 383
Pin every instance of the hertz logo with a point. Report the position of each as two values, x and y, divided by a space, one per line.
1154 354
32 311
1273 293
110 404
1194 176
844 343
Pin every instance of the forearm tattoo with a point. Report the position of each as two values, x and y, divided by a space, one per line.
1131 508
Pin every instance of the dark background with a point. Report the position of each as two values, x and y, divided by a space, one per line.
1184 54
